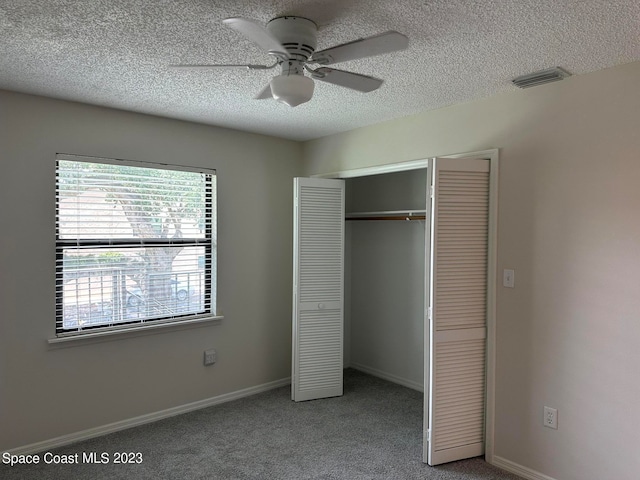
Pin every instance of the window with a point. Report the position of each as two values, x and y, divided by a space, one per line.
135 244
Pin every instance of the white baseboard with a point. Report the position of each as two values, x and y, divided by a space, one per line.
143 419
388 376
512 467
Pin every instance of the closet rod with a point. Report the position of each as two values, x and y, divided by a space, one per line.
387 215
395 217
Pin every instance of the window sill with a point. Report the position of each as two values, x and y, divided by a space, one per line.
78 338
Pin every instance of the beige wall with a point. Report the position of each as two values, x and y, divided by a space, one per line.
568 335
49 391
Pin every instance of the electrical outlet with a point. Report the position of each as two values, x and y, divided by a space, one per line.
210 357
550 418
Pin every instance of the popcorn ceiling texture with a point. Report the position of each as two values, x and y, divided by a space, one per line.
115 53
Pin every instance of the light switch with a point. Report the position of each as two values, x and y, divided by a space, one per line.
508 278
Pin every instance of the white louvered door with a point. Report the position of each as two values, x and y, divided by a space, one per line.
318 289
458 301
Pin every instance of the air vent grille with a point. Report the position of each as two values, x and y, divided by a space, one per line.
540 78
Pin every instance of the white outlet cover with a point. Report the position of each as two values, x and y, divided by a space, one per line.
210 357
550 418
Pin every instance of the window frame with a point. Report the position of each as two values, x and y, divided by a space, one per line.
208 296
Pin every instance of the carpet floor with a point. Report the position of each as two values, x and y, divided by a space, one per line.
374 431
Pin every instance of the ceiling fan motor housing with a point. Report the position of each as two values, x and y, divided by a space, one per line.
296 34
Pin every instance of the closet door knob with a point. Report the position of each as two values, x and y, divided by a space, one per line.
321 306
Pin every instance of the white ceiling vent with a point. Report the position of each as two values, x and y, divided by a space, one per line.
538 78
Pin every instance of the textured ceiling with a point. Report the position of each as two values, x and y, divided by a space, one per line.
115 53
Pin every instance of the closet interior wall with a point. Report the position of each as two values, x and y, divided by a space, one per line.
385 278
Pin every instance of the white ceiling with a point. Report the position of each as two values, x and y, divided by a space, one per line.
115 53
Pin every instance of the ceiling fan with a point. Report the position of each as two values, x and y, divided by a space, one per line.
292 41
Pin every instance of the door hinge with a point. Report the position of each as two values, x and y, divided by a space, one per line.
431 191
429 313
428 434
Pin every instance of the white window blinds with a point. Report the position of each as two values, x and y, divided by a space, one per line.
135 243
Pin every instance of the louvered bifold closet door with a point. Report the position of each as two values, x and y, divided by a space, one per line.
318 286
458 299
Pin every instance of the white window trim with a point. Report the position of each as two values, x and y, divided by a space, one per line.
136 329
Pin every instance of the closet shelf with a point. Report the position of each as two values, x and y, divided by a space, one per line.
387 215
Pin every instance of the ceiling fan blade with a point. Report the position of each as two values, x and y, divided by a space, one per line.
367 47
221 65
258 34
354 81
264 93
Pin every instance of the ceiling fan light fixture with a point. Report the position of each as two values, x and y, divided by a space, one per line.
292 90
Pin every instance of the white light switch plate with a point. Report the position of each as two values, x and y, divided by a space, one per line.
508 278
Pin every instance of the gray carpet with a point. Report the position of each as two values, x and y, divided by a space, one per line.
374 431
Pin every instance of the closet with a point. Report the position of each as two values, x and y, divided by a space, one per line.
385 275
391 276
